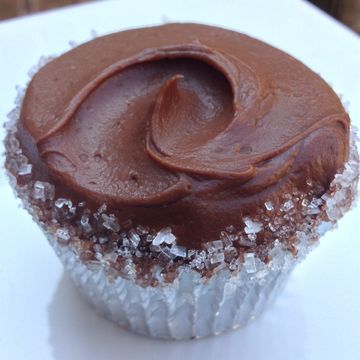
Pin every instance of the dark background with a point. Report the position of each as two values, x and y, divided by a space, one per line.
346 11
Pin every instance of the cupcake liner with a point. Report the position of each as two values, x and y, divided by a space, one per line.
189 307
216 290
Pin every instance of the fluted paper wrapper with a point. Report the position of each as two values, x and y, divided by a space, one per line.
189 307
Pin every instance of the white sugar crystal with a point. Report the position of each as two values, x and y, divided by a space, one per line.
102 208
178 251
234 264
43 191
197 263
39 191
252 227
164 236
269 206
63 234
60 203
155 248
313 207
305 202
166 254
25 169
288 205
98 248
252 237
134 238
277 255
246 242
142 230
124 251
213 246
103 240
85 223
272 227
126 242
191 252
230 253
110 222
217 257
227 242
249 263
99 256
170 239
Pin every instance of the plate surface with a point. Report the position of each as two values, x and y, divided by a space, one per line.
41 314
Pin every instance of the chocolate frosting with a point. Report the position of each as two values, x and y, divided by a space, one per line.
182 125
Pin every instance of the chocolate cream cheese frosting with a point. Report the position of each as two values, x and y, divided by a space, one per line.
185 126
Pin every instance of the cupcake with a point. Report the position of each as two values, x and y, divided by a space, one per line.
180 172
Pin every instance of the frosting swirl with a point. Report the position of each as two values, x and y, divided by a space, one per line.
182 125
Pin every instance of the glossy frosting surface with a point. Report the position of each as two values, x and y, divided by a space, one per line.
182 125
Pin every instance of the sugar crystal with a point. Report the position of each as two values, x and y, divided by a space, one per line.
246 242
272 227
288 205
179 251
155 248
269 206
85 223
60 203
252 237
142 230
252 227
63 234
110 222
249 263
43 191
313 207
25 169
191 252
164 236
213 246
217 257
234 264
103 240
102 208
134 238
166 254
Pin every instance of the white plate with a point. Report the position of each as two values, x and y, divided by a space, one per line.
41 315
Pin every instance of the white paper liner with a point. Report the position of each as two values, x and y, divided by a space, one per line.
190 307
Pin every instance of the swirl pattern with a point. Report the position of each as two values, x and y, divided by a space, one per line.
194 122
